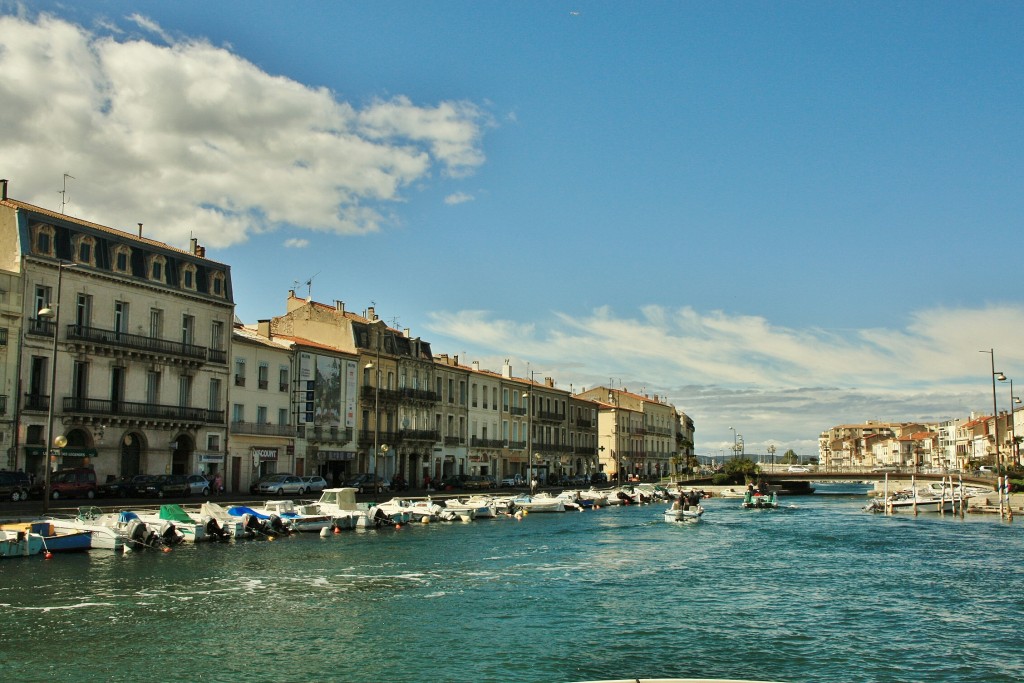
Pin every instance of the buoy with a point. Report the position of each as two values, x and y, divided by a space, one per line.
271 538
337 530
398 526
325 532
48 555
166 549
426 520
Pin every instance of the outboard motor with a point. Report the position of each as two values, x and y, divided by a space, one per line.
169 534
624 497
277 526
215 531
380 518
137 534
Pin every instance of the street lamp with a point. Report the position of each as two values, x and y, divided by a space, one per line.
734 451
771 452
53 310
995 417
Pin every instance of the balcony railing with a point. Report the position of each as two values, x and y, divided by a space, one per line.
333 434
453 441
217 355
3 336
40 326
3 404
550 416
517 445
369 393
419 435
517 410
583 422
477 442
139 342
259 429
37 402
130 410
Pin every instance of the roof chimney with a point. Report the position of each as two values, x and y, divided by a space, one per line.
192 244
339 306
371 314
3 188
476 366
140 229
263 328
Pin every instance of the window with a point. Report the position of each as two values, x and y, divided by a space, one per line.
217 281
238 413
494 398
80 379
188 329
215 396
213 442
153 388
283 378
282 416
42 298
156 323
42 239
261 415
122 259
217 335
239 372
157 268
188 276
120 316
184 391
84 252
263 375
83 310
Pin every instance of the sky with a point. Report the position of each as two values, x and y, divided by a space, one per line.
779 216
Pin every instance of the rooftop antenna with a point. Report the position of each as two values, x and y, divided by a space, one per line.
309 285
64 192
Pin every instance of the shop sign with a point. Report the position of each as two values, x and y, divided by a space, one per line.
264 454
210 457
337 455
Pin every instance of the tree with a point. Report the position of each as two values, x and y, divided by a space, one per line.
741 469
790 458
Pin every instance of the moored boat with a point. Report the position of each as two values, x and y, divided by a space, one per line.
19 543
54 540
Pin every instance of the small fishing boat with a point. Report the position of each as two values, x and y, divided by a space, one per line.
19 543
340 504
53 540
690 513
920 500
760 501
539 504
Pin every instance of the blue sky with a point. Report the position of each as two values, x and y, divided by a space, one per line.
782 216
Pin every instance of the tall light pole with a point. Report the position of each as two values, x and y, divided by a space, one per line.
771 452
53 310
995 416
735 451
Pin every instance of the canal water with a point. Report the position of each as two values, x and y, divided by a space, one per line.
819 591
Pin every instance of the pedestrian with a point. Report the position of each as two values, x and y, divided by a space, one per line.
218 484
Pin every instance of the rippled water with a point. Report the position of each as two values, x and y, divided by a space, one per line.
817 592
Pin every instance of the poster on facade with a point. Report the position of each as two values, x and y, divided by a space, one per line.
328 391
350 395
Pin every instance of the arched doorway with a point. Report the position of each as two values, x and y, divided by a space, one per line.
131 454
181 456
79 449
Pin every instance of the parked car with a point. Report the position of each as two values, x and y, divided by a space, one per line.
282 485
480 482
77 482
514 480
167 485
598 478
14 486
114 487
315 483
198 484
255 486
367 483
137 486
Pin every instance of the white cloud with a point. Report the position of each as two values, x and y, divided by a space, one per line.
458 198
769 382
192 138
296 243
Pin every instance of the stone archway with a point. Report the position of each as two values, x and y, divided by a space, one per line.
131 454
181 456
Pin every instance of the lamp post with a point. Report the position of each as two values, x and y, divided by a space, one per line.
53 310
733 441
995 417
771 452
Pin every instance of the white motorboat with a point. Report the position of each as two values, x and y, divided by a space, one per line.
19 543
760 501
687 513
439 512
110 530
482 506
174 524
299 518
540 504
340 504
731 493
920 500
227 524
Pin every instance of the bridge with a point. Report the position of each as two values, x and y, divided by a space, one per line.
857 476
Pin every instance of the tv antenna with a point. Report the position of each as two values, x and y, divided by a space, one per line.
309 285
64 192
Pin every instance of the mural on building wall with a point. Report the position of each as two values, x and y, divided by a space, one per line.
327 394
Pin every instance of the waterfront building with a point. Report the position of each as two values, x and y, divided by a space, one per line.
10 333
486 444
364 373
262 428
451 419
139 357
638 432
548 415
582 437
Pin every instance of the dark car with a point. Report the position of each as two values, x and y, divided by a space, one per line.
137 485
453 481
167 485
367 483
598 478
480 482
14 486
114 487
78 482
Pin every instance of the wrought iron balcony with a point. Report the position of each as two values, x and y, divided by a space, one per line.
40 326
517 410
477 442
37 402
131 410
453 441
258 429
407 435
550 416
126 340
332 434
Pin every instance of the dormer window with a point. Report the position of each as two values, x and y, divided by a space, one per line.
122 259
42 239
84 247
158 268
188 277
217 283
